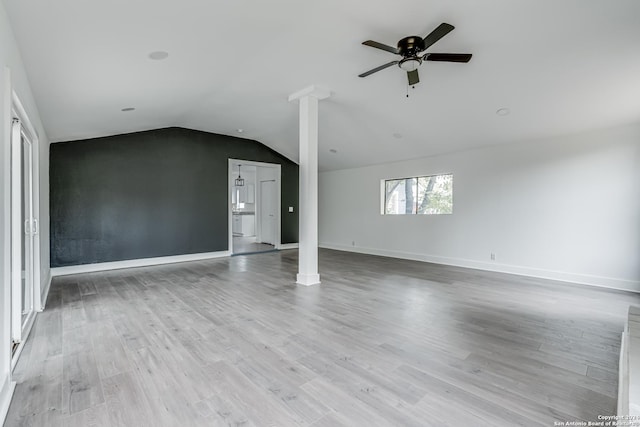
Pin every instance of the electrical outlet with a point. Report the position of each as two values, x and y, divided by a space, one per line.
493 256
290 208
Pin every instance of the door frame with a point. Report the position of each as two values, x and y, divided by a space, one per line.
278 168
19 329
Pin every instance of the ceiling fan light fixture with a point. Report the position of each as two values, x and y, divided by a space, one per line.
412 51
410 64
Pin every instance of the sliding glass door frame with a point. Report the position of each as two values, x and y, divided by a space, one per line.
25 241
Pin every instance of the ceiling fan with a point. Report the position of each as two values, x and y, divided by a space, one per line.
412 50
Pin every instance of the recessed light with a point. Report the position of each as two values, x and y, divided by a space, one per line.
159 55
503 112
240 130
128 109
397 135
333 150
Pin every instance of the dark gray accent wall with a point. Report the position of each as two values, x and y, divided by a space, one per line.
149 194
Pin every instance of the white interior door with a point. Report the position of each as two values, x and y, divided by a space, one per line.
268 214
24 227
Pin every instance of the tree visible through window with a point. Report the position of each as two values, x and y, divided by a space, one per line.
423 195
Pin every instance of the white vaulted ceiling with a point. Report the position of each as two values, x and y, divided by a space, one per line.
559 66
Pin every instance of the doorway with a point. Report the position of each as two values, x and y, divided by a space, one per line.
254 206
25 259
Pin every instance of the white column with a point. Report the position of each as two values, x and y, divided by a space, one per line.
308 191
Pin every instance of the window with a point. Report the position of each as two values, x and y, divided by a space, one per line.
423 195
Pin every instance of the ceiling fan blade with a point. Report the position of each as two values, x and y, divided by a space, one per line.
382 67
435 35
413 77
381 46
448 57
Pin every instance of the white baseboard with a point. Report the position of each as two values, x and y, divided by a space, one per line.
582 279
45 291
143 262
284 246
6 393
308 279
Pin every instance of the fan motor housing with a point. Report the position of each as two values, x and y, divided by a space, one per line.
410 46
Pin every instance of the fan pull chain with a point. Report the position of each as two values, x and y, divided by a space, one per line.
412 87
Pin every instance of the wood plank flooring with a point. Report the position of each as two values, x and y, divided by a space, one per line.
382 342
249 245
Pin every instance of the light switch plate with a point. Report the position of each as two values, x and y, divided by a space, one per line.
290 208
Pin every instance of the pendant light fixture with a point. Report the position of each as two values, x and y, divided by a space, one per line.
239 179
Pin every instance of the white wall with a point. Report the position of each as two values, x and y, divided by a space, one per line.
566 208
13 77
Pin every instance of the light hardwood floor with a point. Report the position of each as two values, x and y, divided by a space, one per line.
381 342
249 245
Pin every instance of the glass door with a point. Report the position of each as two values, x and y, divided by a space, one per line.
27 232
24 228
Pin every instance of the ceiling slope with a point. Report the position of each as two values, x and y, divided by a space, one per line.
559 67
